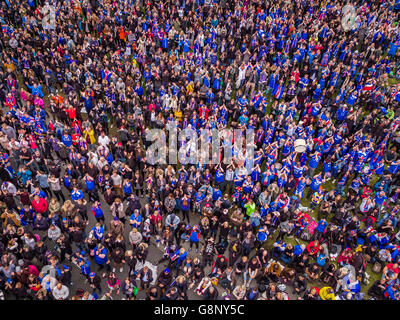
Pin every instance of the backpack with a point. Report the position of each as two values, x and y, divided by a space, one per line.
221 247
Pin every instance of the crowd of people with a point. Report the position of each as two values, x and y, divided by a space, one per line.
85 215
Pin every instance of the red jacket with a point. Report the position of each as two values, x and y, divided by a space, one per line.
312 248
203 111
71 113
41 206
343 258
155 219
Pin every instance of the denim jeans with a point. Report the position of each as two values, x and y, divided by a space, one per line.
340 189
245 274
82 246
385 217
335 173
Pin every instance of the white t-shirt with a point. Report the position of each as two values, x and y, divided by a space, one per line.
229 175
104 141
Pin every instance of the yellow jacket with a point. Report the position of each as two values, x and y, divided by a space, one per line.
189 89
91 135
178 114
9 66
11 216
325 295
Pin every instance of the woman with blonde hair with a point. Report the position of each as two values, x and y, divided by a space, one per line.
282 296
130 261
169 171
182 285
141 252
117 210
239 292
159 172
87 296
178 259
12 246
67 210
205 227
54 206
41 295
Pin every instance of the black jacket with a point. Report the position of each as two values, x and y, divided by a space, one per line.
96 281
149 275
300 284
164 278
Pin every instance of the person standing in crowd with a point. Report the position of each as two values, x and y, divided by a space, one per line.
76 112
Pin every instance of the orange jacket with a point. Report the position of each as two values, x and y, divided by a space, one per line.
122 33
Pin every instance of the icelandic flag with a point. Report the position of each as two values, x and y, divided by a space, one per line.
396 95
369 86
279 92
395 124
326 119
105 74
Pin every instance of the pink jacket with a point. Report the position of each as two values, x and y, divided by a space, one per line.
38 102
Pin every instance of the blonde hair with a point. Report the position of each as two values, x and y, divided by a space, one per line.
181 277
67 207
128 253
